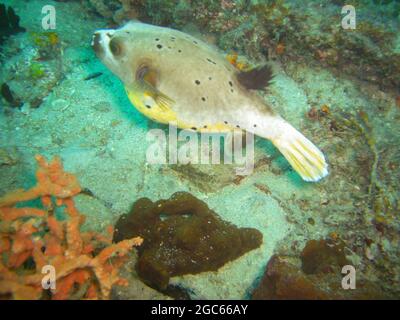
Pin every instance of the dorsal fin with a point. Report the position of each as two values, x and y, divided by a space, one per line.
257 78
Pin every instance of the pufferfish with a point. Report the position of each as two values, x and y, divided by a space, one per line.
172 77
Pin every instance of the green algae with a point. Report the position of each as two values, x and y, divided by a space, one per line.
36 70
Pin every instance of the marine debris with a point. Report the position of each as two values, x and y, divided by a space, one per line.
9 23
86 264
183 236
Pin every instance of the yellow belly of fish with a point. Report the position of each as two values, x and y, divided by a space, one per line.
169 116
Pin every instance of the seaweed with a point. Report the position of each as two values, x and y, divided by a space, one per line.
360 123
36 70
183 236
9 23
7 94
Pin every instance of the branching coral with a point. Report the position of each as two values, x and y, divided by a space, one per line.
86 264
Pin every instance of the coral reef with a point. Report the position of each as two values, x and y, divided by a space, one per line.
29 74
283 29
339 87
182 236
32 64
116 10
86 264
320 279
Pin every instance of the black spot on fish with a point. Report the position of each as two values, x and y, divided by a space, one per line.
237 126
209 78
159 46
232 90
230 83
148 106
254 125
205 127
173 38
197 82
202 98
226 122
195 42
209 60
179 51
194 128
157 39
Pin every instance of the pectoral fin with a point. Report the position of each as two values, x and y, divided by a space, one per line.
146 83
159 99
151 102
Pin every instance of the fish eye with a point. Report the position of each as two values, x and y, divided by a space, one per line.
115 47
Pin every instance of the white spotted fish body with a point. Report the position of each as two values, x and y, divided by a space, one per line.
170 76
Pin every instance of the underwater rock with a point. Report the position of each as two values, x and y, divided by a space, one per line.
9 22
183 236
284 280
136 289
7 94
319 256
315 276
7 157
30 74
207 178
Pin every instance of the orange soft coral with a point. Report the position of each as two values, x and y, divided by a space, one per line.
36 235
234 60
52 180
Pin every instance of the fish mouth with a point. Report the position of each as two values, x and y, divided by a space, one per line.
96 43
100 42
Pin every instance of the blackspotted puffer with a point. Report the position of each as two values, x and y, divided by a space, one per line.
172 77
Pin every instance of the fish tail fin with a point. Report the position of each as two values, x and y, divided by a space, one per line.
308 161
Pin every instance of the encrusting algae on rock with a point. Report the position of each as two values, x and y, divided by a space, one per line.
86 264
183 236
316 275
